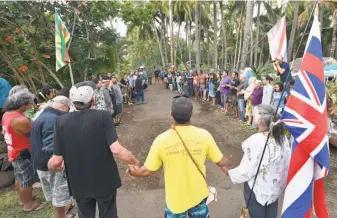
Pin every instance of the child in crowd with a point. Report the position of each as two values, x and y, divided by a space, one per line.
278 88
211 88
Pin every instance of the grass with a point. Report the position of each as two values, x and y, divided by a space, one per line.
10 208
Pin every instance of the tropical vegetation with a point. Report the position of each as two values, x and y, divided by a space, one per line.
207 34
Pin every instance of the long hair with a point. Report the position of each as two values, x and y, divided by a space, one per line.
264 117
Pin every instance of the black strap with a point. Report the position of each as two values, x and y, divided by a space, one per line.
189 154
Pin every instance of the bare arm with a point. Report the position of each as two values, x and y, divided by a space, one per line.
56 163
123 154
22 126
279 69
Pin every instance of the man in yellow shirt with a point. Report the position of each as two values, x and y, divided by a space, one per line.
185 187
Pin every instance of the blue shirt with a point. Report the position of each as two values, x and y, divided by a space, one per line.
283 77
42 137
5 87
144 75
277 98
161 74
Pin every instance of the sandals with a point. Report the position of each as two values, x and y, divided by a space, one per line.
38 207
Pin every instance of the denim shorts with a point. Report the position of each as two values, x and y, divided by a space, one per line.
199 211
24 172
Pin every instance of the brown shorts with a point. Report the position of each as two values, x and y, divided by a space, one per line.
234 100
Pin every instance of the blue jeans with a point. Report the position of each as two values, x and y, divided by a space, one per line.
199 211
241 105
140 96
256 210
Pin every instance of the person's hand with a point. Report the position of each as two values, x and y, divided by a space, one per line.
132 169
225 170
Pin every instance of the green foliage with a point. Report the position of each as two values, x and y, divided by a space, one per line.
111 52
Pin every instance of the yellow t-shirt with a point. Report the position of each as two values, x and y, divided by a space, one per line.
184 185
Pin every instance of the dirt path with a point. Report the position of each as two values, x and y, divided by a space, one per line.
145 197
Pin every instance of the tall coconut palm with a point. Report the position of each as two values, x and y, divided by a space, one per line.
197 35
223 38
247 33
293 31
334 27
171 36
215 40
257 33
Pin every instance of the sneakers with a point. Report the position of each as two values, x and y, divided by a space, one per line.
144 102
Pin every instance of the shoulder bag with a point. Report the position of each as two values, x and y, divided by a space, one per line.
211 190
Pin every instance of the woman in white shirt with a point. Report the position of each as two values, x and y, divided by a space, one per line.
271 179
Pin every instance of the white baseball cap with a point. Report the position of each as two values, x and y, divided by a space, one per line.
81 94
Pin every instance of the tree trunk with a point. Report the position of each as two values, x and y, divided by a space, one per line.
215 23
177 45
197 36
186 38
240 48
261 55
160 49
163 35
293 32
334 32
171 35
321 14
251 52
224 39
247 33
238 40
189 41
257 34
52 74
208 52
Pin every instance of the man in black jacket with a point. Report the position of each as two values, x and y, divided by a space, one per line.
139 85
54 184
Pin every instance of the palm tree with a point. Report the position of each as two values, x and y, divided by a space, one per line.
215 23
197 36
257 33
293 31
247 33
334 27
171 36
223 38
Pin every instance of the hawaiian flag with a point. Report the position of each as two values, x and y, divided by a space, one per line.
277 39
62 36
305 116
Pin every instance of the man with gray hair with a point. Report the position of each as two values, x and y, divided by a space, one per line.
54 184
16 130
182 151
85 144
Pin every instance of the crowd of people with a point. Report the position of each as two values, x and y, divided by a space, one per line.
233 92
30 128
71 142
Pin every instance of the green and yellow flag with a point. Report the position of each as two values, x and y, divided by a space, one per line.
62 36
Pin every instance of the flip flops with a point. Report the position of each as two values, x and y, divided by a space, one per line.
38 207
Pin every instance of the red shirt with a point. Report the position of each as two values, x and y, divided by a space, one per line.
15 142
